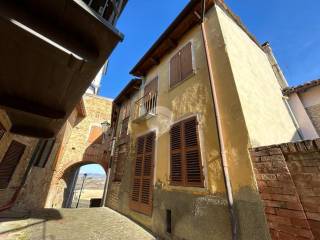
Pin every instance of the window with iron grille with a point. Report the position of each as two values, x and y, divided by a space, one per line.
181 66
185 157
9 162
42 152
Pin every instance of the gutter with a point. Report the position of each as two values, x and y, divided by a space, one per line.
223 152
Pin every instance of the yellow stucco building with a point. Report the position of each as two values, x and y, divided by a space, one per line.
207 93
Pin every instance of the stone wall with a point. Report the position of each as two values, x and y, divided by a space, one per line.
288 178
314 114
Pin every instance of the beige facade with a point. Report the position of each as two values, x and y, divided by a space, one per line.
252 112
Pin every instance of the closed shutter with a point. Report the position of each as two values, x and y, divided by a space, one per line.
2 131
141 194
186 61
185 158
181 66
175 72
176 155
10 162
192 154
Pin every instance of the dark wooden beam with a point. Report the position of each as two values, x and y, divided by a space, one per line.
155 61
172 43
32 131
18 104
197 15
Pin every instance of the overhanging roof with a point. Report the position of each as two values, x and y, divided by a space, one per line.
188 18
301 87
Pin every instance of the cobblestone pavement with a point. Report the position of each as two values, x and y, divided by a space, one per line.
70 224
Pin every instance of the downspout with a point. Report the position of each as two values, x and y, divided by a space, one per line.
282 83
223 153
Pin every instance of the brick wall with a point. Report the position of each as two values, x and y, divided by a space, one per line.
314 114
288 178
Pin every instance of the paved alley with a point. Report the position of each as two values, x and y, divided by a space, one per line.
69 224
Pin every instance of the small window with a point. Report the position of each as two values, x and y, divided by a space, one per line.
185 158
2 131
181 66
10 162
42 152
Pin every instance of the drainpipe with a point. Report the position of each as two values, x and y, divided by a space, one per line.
282 82
222 149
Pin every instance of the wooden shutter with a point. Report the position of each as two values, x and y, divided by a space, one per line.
42 152
186 61
141 195
181 66
192 153
185 158
2 131
175 72
176 155
10 162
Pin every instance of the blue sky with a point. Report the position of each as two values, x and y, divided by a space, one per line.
291 26
92 168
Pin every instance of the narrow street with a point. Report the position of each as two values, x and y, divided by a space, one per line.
67 224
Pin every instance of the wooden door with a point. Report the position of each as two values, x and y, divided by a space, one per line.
142 183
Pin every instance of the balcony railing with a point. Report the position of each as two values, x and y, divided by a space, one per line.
110 10
146 106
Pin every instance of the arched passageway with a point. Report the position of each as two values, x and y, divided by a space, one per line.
70 183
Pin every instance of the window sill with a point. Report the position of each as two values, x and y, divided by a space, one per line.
194 190
182 81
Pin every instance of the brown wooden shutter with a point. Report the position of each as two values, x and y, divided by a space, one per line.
10 162
192 153
175 70
141 196
176 155
185 157
186 61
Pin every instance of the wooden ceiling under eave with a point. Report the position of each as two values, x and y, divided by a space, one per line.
187 19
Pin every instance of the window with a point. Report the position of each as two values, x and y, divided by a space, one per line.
185 158
10 162
181 65
2 131
42 152
141 191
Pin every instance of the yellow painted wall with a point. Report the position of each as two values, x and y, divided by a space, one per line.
267 118
189 98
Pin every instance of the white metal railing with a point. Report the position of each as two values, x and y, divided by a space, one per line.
146 105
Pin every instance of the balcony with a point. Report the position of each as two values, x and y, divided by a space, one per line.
145 107
50 52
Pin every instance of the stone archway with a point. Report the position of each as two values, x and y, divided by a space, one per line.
65 183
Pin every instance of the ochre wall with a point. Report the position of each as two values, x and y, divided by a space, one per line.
259 92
